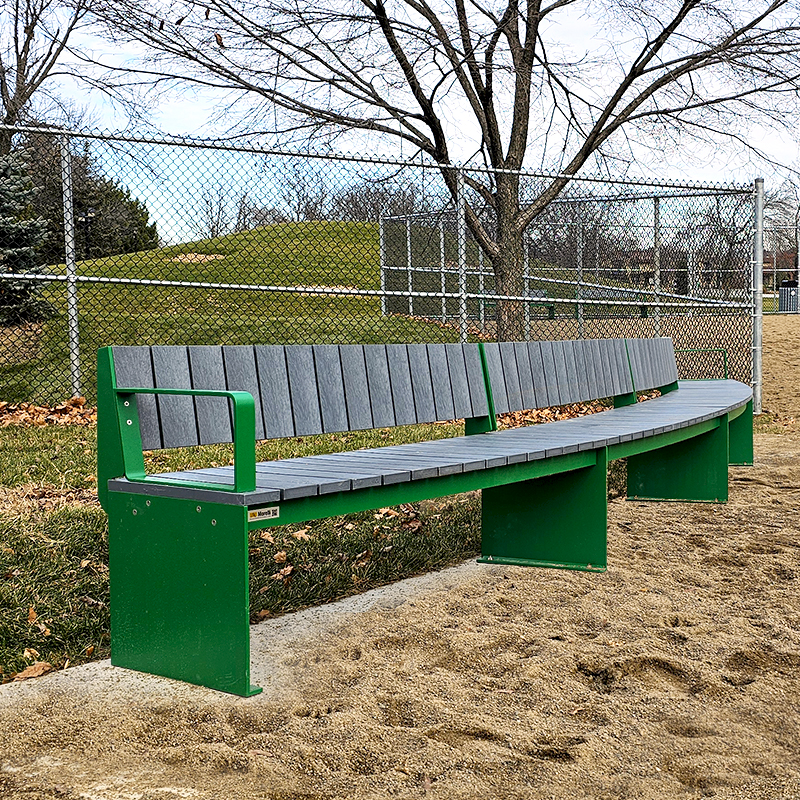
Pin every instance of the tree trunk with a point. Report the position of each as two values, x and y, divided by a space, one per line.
508 263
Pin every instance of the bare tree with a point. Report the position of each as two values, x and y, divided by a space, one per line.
34 37
430 73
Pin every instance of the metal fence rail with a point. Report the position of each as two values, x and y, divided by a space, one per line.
145 241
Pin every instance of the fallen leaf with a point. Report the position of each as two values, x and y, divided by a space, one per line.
43 628
32 615
90 650
268 536
283 574
30 654
349 526
33 671
302 534
280 557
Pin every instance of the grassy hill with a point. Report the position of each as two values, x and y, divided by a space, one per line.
308 254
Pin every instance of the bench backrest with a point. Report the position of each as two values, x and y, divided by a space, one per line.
301 390
541 374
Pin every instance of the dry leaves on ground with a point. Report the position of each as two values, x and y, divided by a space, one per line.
72 412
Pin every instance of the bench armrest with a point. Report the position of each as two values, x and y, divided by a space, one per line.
244 436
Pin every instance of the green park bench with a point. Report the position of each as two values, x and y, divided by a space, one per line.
178 542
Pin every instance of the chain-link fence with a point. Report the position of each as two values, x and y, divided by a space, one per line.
780 269
114 240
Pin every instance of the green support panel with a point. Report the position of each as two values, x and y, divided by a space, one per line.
180 590
694 470
740 432
552 521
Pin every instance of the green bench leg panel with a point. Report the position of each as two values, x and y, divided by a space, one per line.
694 470
740 432
554 521
180 590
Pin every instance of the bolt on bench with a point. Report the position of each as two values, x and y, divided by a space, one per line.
178 542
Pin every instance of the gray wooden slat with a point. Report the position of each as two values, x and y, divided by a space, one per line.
611 357
342 462
476 380
571 372
330 384
133 368
508 357
580 370
177 413
653 363
673 367
494 367
240 499
213 413
527 394
440 377
421 382
625 380
275 398
537 374
644 347
462 404
241 375
303 390
562 378
602 369
639 355
592 381
297 485
402 389
356 388
380 391
550 377
608 362
669 360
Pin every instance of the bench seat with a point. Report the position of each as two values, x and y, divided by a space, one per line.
309 476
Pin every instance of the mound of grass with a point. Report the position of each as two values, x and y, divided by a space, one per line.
309 254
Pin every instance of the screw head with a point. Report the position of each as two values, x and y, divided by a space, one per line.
127 403
130 422
147 502
198 509
213 522
135 512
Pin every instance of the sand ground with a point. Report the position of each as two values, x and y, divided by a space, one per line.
676 674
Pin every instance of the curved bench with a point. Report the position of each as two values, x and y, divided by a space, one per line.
178 542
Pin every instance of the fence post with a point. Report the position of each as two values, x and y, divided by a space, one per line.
526 283
758 290
409 263
461 225
72 272
382 245
657 264
481 291
579 287
442 268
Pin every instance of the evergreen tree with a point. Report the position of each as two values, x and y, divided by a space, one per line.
21 236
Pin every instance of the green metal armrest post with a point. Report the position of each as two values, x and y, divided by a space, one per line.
244 435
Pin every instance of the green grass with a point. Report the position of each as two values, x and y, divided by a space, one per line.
53 547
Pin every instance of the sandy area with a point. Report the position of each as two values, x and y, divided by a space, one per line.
676 674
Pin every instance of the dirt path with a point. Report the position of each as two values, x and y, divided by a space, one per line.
673 675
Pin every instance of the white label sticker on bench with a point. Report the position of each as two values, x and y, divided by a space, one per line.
263 513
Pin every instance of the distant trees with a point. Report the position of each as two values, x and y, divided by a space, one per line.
121 223
22 234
